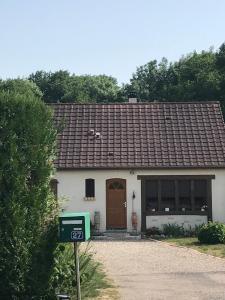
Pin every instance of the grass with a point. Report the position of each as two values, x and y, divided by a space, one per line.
192 242
93 286
95 283
108 294
102 288
93 278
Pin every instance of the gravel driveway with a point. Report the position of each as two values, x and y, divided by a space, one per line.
154 270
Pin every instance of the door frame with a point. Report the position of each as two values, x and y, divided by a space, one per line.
125 208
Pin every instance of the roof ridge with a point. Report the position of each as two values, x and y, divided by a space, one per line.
140 103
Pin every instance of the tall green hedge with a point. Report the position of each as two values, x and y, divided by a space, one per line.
27 207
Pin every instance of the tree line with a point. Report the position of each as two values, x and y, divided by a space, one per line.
194 77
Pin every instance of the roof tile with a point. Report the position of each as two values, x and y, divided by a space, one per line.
140 135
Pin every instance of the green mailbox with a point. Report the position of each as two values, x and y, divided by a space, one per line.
74 227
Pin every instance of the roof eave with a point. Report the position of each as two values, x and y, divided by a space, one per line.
138 168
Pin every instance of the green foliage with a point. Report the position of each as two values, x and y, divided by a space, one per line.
27 207
32 264
63 278
153 231
192 242
20 86
53 85
212 233
194 77
220 59
63 87
173 230
92 89
197 77
220 64
152 81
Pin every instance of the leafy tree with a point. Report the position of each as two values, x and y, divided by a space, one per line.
197 77
20 86
152 81
27 207
220 64
95 89
194 77
63 87
220 59
53 85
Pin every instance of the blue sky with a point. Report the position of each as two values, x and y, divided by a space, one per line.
103 36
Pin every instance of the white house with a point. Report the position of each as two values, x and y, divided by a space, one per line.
163 161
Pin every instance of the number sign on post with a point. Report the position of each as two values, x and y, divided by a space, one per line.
75 227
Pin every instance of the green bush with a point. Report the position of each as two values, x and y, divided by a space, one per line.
173 230
212 233
63 278
28 209
153 231
32 264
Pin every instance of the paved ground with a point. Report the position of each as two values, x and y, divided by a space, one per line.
158 271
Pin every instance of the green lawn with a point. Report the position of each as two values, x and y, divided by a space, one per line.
216 250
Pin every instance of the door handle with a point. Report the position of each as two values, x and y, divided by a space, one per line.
125 204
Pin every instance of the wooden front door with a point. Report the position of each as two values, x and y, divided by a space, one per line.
116 205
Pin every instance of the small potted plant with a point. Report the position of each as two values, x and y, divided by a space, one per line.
134 221
204 208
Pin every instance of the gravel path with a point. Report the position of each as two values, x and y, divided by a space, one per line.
158 271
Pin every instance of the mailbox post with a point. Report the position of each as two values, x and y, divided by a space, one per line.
75 227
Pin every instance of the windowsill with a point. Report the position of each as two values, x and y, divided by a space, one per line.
158 213
89 199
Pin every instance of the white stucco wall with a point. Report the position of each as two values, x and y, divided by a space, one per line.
71 186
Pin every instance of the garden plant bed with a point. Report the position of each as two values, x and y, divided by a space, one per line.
192 242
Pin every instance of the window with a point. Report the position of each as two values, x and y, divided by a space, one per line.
184 192
177 194
200 194
116 185
89 187
152 195
168 195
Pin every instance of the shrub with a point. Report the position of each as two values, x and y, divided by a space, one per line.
212 233
173 230
63 278
153 231
27 206
32 264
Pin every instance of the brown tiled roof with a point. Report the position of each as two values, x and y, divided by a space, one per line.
140 135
